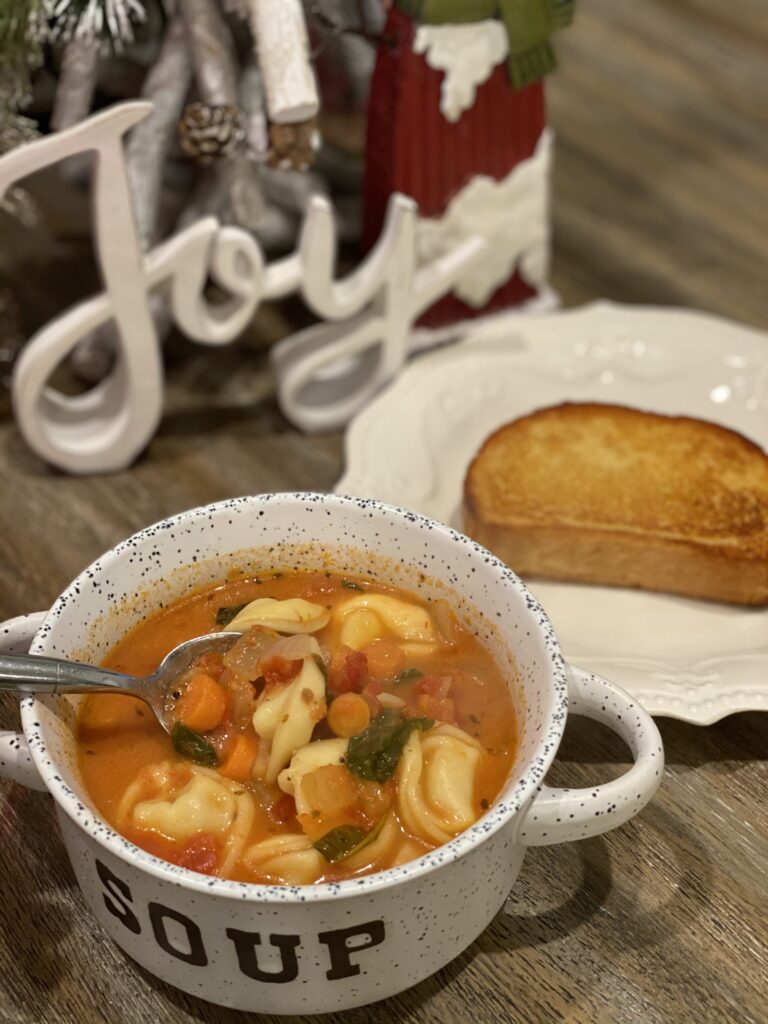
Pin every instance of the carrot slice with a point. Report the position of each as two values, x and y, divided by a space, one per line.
203 704
348 714
240 758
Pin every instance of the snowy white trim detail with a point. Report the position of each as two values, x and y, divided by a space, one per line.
511 214
467 54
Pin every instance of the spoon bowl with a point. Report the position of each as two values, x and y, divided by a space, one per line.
27 673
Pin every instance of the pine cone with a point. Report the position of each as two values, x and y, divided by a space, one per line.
293 146
209 132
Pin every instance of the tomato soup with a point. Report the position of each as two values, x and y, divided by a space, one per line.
351 727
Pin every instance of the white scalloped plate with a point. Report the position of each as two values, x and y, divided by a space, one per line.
692 660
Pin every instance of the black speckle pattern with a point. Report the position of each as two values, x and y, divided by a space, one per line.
16 762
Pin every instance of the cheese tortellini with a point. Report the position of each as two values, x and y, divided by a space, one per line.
203 805
377 849
290 859
294 615
287 714
436 783
182 801
389 846
366 617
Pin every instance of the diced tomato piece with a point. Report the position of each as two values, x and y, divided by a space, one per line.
439 708
356 670
348 671
279 670
211 664
283 809
200 854
435 686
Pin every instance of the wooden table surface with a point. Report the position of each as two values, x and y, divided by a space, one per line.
661 196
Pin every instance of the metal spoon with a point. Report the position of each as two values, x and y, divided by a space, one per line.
28 673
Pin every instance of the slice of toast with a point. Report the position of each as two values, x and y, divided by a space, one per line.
606 494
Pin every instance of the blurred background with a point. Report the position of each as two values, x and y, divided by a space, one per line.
659 185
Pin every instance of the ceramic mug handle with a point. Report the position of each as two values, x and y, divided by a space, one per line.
562 815
15 762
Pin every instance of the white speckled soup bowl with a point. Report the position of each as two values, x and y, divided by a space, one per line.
310 949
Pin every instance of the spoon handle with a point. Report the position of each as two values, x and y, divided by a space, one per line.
26 673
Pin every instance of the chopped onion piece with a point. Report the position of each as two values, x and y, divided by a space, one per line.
389 700
293 648
258 646
294 615
245 657
407 621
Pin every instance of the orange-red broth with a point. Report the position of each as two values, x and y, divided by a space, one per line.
460 684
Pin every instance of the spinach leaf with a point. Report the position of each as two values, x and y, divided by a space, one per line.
191 744
340 842
225 614
408 675
374 753
349 585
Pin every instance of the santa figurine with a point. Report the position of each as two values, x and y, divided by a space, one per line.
457 121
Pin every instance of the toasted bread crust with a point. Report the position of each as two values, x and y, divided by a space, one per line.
611 495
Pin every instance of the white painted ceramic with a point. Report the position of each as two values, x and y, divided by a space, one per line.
309 949
693 660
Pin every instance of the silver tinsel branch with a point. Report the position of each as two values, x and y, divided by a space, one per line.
203 60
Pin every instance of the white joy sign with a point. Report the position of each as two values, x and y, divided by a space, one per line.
324 374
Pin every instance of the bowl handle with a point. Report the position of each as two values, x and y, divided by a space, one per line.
562 815
16 764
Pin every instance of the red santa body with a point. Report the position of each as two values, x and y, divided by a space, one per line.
414 148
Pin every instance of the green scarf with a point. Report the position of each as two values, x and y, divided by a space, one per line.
529 24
